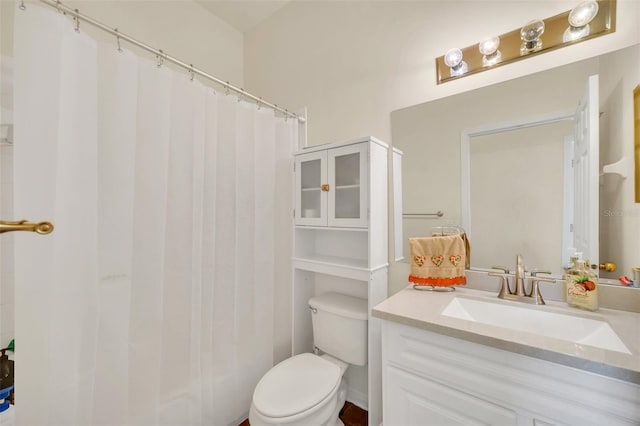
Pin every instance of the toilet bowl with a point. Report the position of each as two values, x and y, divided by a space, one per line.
303 390
309 389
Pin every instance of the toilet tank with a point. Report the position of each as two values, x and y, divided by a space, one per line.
340 326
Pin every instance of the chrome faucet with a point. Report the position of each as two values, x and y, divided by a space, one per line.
520 294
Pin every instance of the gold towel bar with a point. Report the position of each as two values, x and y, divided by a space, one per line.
22 225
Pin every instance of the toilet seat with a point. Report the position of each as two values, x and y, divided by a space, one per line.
296 385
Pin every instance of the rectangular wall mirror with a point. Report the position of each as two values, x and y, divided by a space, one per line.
518 172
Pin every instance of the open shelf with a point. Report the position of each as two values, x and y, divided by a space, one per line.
344 262
316 242
331 265
332 251
332 228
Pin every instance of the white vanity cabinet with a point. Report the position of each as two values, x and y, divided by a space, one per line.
341 244
433 379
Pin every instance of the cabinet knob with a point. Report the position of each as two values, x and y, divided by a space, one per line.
325 187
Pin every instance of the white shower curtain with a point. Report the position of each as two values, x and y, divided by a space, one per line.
152 300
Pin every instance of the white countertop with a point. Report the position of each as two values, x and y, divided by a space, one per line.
423 309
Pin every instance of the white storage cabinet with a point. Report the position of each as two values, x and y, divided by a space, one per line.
332 186
341 244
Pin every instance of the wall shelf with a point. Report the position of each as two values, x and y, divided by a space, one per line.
349 268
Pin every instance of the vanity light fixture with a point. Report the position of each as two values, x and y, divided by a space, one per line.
453 59
579 19
588 19
530 35
489 50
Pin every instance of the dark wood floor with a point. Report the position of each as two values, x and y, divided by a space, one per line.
351 415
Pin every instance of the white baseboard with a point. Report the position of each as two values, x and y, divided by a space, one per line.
357 398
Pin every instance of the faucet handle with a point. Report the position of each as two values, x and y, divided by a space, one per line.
504 281
535 272
535 288
502 268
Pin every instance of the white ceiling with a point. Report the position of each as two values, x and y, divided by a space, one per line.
243 14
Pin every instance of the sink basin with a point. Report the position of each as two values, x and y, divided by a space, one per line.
572 328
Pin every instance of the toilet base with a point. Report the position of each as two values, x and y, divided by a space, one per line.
342 398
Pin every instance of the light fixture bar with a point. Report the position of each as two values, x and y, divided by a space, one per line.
510 43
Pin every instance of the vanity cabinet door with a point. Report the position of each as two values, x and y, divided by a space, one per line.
410 399
311 189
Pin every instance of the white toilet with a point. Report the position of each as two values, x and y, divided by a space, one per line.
309 389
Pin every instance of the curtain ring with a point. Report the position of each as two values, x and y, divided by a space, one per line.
240 95
58 6
226 89
192 73
77 19
22 5
118 40
286 115
160 58
259 102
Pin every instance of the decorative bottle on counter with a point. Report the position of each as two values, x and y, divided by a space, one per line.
571 267
582 287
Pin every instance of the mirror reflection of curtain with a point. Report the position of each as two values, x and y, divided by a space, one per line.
152 301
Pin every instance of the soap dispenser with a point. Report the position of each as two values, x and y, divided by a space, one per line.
581 287
571 267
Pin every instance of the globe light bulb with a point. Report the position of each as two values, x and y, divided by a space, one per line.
453 59
489 50
530 35
583 13
579 19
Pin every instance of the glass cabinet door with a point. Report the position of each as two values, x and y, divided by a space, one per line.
311 189
347 169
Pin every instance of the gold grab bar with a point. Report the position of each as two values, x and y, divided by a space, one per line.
22 225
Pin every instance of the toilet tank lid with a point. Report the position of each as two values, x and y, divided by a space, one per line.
341 304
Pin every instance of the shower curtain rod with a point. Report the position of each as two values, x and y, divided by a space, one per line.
162 56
